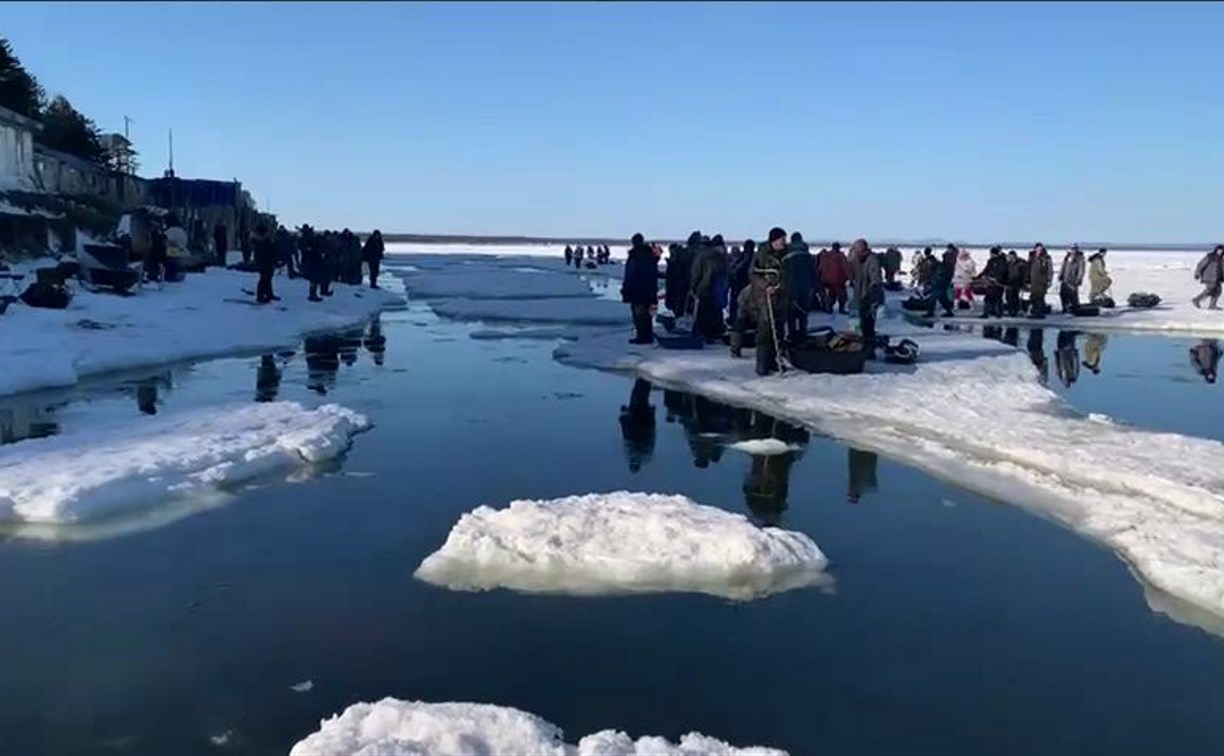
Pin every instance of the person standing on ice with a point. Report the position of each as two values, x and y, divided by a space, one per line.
569 255
1041 273
640 288
737 277
265 262
1098 278
769 300
892 264
373 253
286 250
311 251
995 274
679 270
1017 272
221 242
708 274
1210 273
941 282
797 275
963 273
868 291
1070 278
834 272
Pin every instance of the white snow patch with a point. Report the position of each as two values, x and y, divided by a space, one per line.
412 728
973 412
221 740
620 543
766 447
94 473
302 687
183 321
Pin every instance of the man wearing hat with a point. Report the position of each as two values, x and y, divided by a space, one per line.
769 300
1070 278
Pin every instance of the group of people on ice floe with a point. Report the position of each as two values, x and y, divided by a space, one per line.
321 257
592 256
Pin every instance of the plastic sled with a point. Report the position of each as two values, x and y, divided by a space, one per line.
1085 311
680 341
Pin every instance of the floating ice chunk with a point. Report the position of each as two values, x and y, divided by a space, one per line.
302 687
221 740
412 728
100 471
622 543
766 447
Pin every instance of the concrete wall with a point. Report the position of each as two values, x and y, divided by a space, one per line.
16 152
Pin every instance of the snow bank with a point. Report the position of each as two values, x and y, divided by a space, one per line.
207 315
97 472
412 728
622 543
973 412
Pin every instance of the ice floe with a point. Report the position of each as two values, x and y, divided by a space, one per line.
98 472
973 412
764 447
620 543
412 728
207 315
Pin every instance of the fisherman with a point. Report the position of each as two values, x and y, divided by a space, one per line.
640 288
892 264
310 247
373 253
569 255
769 300
1210 273
941 282
708 276
797 276
286 250
679 275
995 274
868 291
737 276
1098 278
963 274
264 248
1070 278
834 270
1017 270
1041 273
578 257
220 242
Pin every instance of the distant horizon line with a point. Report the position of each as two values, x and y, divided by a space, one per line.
520 239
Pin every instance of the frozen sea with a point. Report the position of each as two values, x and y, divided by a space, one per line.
952 623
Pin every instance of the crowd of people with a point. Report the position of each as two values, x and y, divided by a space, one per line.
770 289
592 255
321 257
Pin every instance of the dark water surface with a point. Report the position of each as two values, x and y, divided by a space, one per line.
958 624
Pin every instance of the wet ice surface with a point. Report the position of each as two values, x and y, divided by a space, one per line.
951 613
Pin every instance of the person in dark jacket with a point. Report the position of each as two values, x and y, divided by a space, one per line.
769 300
640 288
286 251
797 279
737 276
310 248
156 257
221 242
1016 269
709 285
868 291
941 282
892 264
637 421
265 262
1210 273
1070 278
1205 356
1041 273
569 255
373 253
679 272
995 274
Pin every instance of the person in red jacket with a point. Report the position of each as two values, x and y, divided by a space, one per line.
832 273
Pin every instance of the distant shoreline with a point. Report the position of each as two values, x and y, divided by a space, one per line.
935 243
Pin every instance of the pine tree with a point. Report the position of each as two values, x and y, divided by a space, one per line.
66 130
19 90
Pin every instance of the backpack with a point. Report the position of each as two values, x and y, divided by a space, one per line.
47 295
1142 300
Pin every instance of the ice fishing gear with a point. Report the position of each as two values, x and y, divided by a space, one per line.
690 340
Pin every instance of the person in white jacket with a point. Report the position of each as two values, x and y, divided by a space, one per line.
962 278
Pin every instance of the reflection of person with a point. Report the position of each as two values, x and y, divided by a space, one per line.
375 342
1067 358
1011 336
767 485
862 474
1205 356
267 379
1036 351
322 363
146 398
637 421
1094 348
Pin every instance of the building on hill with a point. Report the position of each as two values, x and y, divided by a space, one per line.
16 150
200 203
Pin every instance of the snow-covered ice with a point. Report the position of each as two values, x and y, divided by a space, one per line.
973 412
391 727
199 317
621 543
97 472
764 447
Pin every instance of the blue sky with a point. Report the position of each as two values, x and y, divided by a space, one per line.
969 121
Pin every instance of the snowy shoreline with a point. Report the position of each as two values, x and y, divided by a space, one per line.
208 315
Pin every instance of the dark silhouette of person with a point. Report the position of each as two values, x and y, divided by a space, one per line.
767 483
637 421
221 243
146 398
375 342
1205 356
1067 356
267 379
861 474
1011 337
348 344
322 363
1036 351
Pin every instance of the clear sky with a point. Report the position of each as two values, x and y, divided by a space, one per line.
967 121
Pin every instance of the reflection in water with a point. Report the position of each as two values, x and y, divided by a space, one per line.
1094 350
704 422
23 421
637 421
146 398
375 342
1067 358
767 482
862 474
322 363
1205 356
267 379
1036 351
